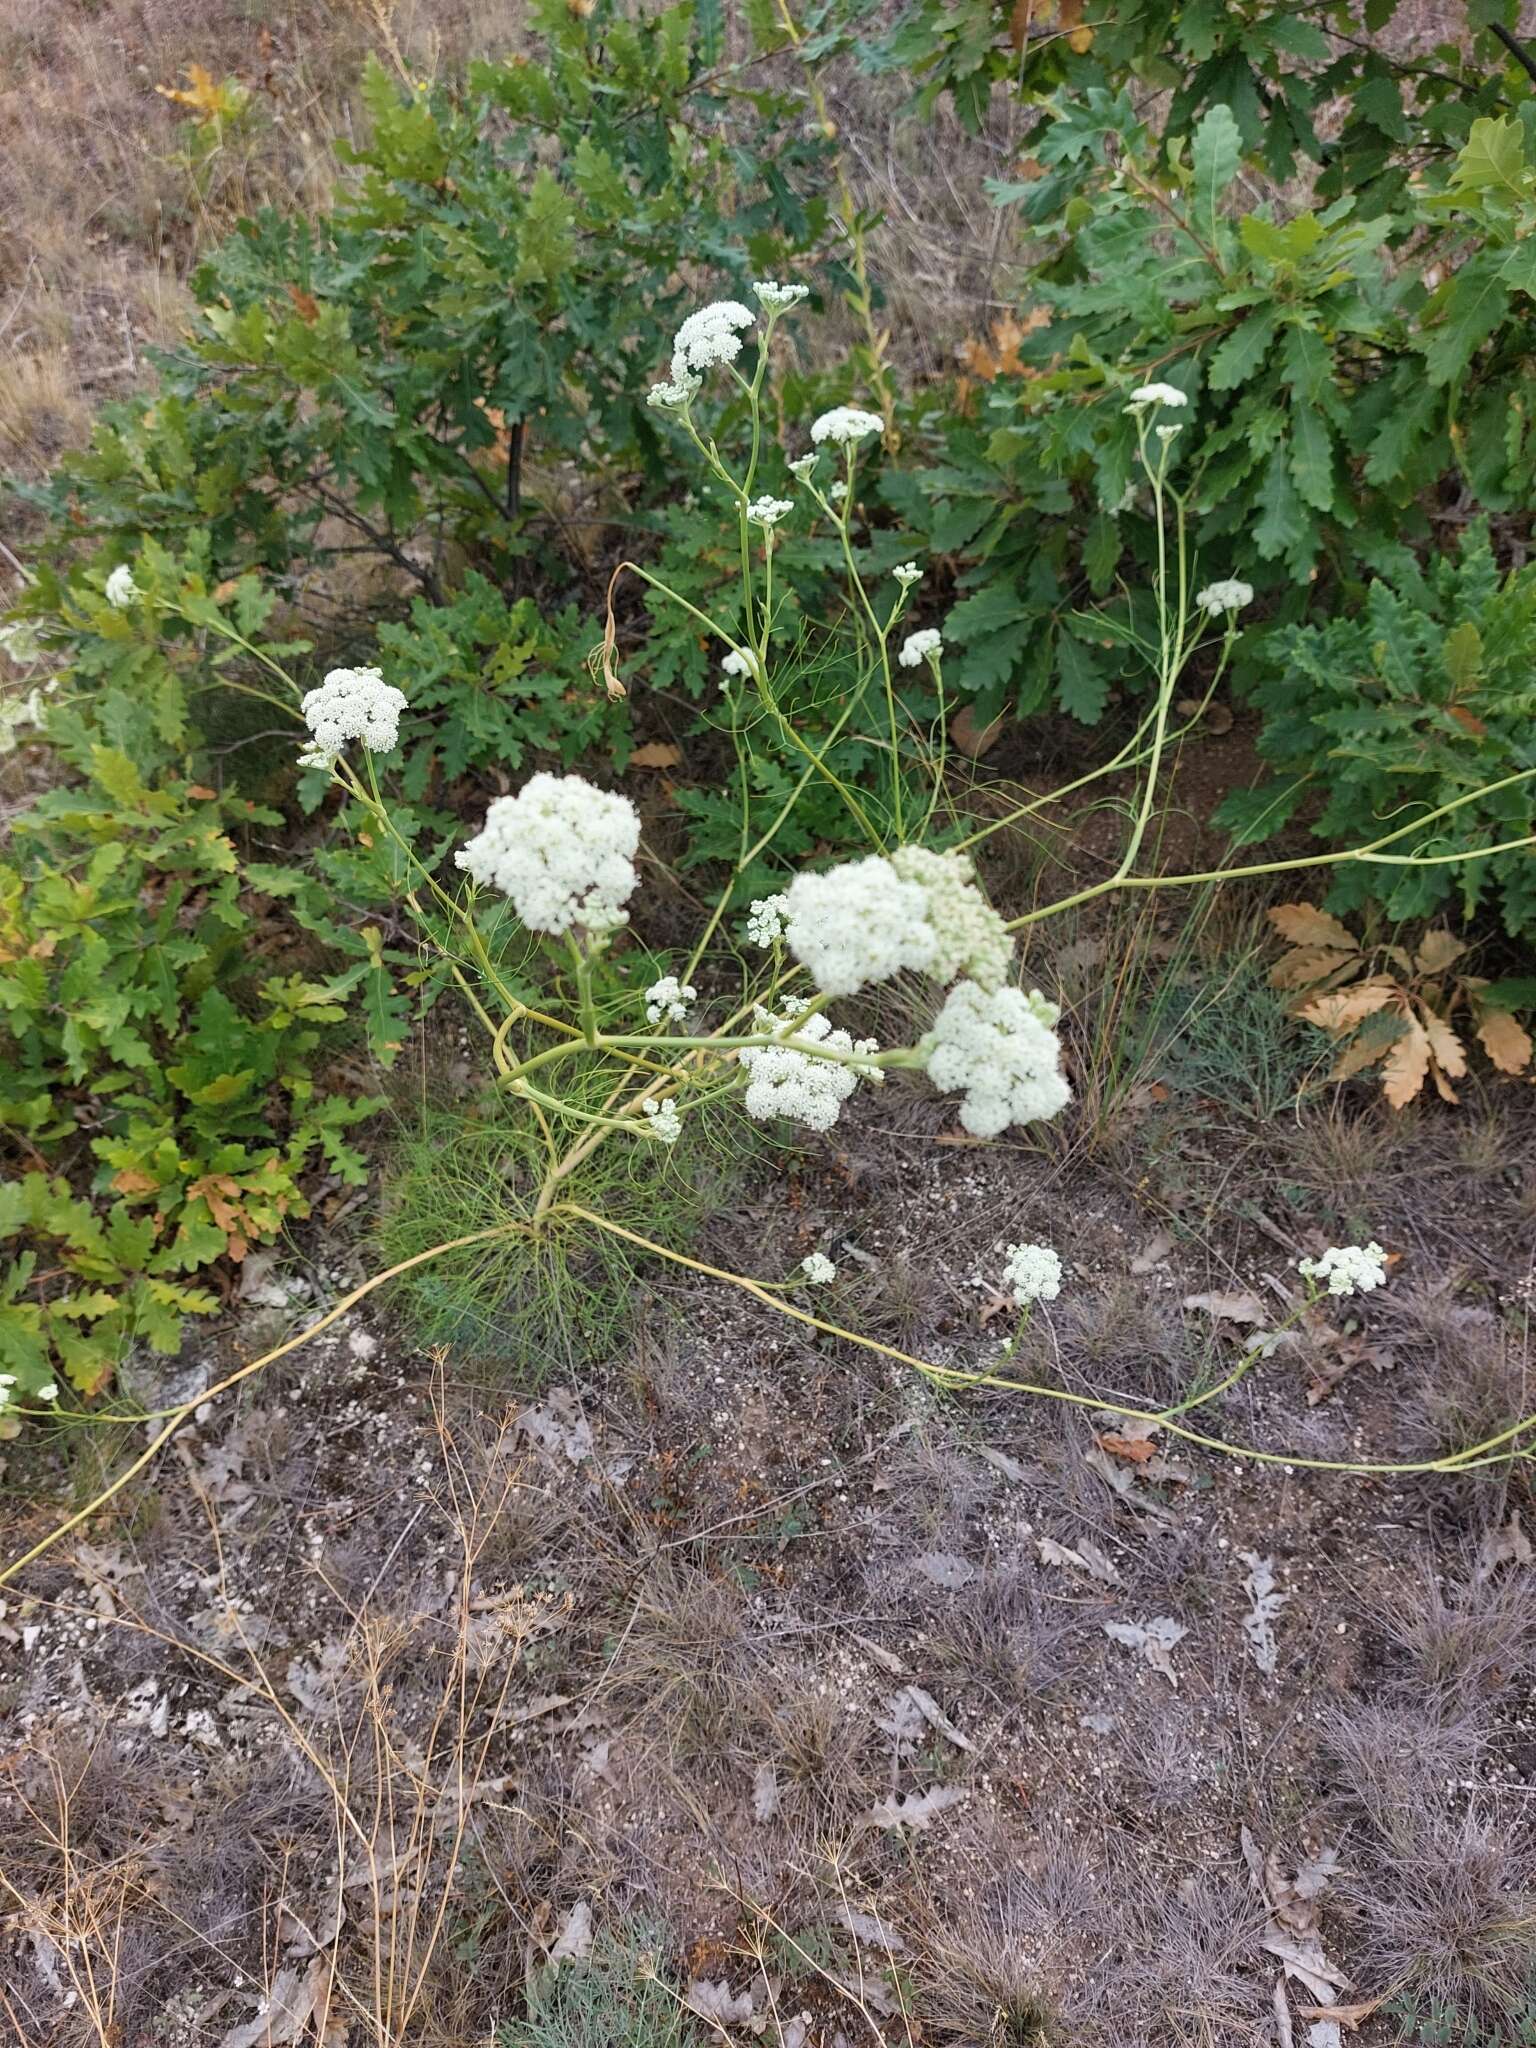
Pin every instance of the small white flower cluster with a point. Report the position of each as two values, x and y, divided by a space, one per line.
765 920
351 704
1033 1273
907 573
669 1000
1229 595
818 1269
741 661
121 590
769 511
706 338
857 923
790 1083
802 466
999 1050
1156 394
865 920
662 1120
709 337
845 426
968 935
922 646
1348 1268
563 851
778 298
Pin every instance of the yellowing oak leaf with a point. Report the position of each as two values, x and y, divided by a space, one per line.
1304 966
1406 1066
202 93
1436 951
1449 1053
1303 924
1506 1042
1342 1009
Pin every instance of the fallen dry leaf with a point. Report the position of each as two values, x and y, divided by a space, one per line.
913 1809
656 754
1156 1640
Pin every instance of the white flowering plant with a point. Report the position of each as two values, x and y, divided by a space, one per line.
531 916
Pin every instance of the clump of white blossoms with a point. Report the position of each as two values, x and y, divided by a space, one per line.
857 923
802 466
352 704
845 426
907 573
818 1269
741 661
121 590
769 511
662 1120
968 935
789 1083
1156 394
709 337
778 298
921 646
998 1048
765 920
1347 1268
669 1000
916 911
563 851
1033 1273
1230 595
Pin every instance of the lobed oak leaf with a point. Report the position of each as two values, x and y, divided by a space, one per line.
1303 924
1406 1066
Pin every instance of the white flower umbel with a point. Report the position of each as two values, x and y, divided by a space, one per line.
676 395
769 511
802 466
1156 394
818 1269
121 590
1347 1268
920 647
669 1000
48 1393
907 573
765 920
662 1120
999 1049
794 1084
1230 595
353 704
845 426
968 935
709 337
778 298
1033 1273
858 923
562 850
741 661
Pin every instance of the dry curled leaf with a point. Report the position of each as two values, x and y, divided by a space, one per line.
913 1809
1156 1640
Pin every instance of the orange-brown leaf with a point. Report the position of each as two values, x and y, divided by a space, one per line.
1303 966
1437 949
305 305
970 739
1342 1009
1406 1066
656 754
1449 1053
1506 1041
1134 1450
1303 924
